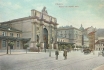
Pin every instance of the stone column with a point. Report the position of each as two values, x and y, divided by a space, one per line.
55 34
41 34
49 34
34 35
49 40
55 37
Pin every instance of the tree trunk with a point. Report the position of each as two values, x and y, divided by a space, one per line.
38 49
10 49
26 50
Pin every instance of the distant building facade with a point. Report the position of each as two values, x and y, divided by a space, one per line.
85 39
70 34
39 27
9 34
91 35
99 45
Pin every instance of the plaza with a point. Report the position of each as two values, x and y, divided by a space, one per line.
76 60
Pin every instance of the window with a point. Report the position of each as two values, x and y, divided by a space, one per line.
18 35
11 34
4 33
17 43
3 43
61 35
70 36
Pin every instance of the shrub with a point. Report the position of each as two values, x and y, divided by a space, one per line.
10 44
26 45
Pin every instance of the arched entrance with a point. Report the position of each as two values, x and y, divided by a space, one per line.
45 38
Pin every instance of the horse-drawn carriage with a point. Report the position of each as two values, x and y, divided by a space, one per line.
87 51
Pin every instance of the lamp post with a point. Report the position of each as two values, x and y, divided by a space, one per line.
7 40
50 47
7 46
58 44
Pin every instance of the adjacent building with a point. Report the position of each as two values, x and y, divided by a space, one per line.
99 45
10 34
91 35
78 37
85 39
70 35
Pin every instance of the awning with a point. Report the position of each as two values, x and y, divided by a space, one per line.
14 38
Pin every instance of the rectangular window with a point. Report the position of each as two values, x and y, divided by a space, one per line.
4 33
11 34
17 35
17 43
3 43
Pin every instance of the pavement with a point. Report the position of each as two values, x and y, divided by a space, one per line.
76 60
99 68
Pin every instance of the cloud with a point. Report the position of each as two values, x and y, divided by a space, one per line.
38 6
96 6
10 5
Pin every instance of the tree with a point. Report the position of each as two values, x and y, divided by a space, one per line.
73 46
38 45
10 44
26 45
70 47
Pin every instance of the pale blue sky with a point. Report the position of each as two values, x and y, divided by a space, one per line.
87 12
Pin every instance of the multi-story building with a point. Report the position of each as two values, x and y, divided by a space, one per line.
8 34
70 34
85 39
91 35
99 45
39 28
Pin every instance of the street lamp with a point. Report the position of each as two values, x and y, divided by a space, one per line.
50 47
58 44
7 40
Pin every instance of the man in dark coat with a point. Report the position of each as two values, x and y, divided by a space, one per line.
56 53
65 54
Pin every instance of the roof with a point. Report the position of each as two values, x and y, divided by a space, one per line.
29 18
67 27
15 20
91 33
5 28
100 41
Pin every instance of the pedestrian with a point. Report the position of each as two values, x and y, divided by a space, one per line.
103 52
57 53
65 54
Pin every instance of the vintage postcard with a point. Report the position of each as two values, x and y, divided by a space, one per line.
51 35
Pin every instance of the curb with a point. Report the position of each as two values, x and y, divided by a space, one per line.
99 67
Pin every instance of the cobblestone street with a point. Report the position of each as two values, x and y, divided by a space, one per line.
41 61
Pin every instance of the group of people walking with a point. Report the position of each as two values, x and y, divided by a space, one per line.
64 54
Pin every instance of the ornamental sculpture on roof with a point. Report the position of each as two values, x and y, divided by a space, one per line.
44 11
